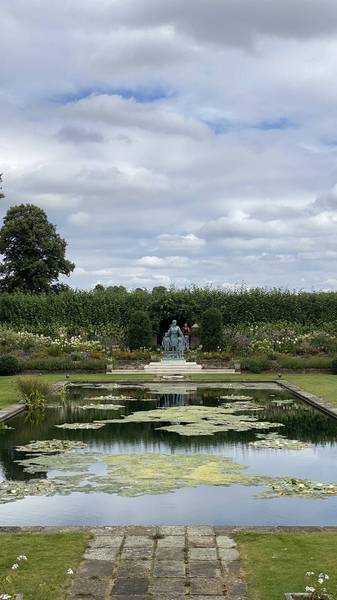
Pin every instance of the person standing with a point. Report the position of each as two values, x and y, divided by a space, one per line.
186 334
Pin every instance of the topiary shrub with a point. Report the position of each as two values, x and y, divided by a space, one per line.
211 336
9 365
139 330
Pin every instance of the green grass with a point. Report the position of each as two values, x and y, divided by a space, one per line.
44 575
275 563
324 385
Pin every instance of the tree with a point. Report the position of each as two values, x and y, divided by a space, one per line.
211 330
34 253
139 331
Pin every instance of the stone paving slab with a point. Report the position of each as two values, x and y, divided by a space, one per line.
159 563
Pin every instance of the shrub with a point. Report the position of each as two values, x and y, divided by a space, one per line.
334 365
32 387
303 362
9 365
141 355
63 364
211 330
256 364
139 332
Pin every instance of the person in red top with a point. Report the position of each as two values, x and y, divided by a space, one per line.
186 334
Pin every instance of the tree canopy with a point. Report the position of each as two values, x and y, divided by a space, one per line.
33 252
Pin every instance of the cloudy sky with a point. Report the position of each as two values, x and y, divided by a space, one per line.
176 141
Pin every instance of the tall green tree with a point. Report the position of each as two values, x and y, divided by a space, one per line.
33 252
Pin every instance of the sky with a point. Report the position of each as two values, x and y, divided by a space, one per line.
176 142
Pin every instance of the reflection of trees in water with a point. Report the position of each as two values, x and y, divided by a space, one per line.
300 422
170 400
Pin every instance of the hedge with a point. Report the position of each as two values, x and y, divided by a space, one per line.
98 310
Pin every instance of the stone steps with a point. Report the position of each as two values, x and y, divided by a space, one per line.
173 368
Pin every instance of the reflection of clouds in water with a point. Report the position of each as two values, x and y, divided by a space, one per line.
199 505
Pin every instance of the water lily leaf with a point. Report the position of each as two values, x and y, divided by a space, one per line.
4 427
198 420
95 425
278 442
101 406
233 397
305 488
50 446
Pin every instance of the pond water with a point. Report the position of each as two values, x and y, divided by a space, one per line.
154 491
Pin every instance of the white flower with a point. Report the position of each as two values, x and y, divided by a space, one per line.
21 557
5 597
15 566
309 589
320 580
70 572
309 573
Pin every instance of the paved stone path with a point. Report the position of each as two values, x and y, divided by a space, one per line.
159 563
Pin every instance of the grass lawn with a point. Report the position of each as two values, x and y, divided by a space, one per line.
324 385
277 563
44 574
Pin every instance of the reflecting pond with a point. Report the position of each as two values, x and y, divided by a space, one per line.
225 456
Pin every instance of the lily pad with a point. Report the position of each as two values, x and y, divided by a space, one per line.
241 406
118 398
101 406
137 474
95 425
10 491
278 442
305 488
4 427
198 420
50 446
233 397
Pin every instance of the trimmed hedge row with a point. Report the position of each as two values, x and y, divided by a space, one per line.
99 310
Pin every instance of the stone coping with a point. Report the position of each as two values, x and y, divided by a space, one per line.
137 530
315 401
11 411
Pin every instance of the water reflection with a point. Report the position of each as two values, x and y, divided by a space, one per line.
300 422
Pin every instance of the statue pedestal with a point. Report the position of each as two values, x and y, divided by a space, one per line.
173 366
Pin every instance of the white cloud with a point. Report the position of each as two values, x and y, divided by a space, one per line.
176 142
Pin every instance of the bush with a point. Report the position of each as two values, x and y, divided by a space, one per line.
256 364
124 355
9 365
33 387
63 364
303 362
211 330
140 331
334 365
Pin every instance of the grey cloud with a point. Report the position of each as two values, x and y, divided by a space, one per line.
78 135
235 22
